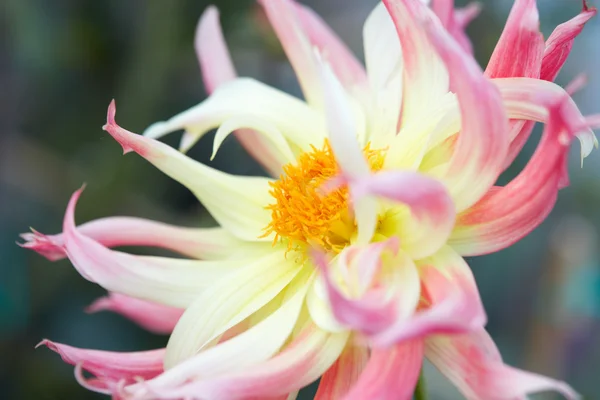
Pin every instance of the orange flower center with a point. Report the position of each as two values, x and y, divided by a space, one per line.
302 213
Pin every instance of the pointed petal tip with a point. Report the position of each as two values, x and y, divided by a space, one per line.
47 343
100 304
42 244
122 136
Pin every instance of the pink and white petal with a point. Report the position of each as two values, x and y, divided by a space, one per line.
383 58
471 361
301 125
244 351
237 203
341 376
108 367
432 211
390 374
201 243
285 20
482 143
506 214
426 78
169 281
303 361
454 303
456 20
520 49
154 317
560 42
228 302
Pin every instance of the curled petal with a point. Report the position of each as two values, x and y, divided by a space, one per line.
482 143
108 367
169 281
431 207
341 376
303 361
227 302
520 49
236 202
558 45
202 243
454 304
471 361
154 317
506 214
390 374
425 76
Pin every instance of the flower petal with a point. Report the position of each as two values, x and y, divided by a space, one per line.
390 374
108 367
454 304
456 20
154 317
237 203
520 49
202 243
431 208
472 363
341 376
217 68
303 361
425 76
558 45
228 302
249 348
506 214
482 143
169 281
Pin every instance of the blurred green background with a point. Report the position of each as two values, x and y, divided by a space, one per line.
61 64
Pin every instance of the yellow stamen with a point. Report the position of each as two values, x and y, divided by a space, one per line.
301 213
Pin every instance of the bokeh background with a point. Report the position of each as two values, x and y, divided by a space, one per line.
61 63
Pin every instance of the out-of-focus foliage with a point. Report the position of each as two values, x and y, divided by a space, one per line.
61 64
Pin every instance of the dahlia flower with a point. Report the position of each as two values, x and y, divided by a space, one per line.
347 264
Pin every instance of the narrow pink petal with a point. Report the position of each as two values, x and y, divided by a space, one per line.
341 376
110 368
472 363
431 206
456 20
482 143
453 302
217 68
171 281
558 45
425 78
345 65
390 374
204 243
520 49
154 317
284 17
506 214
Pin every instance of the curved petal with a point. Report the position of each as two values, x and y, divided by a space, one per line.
228 302
425 76
237 203
305 359
506 214
520 49
301 125
558 45
154 317
472 363
169 281
482 143
201 243
431 208
110 368
456 20
244 351
452 298
341 376
390 374
217 68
